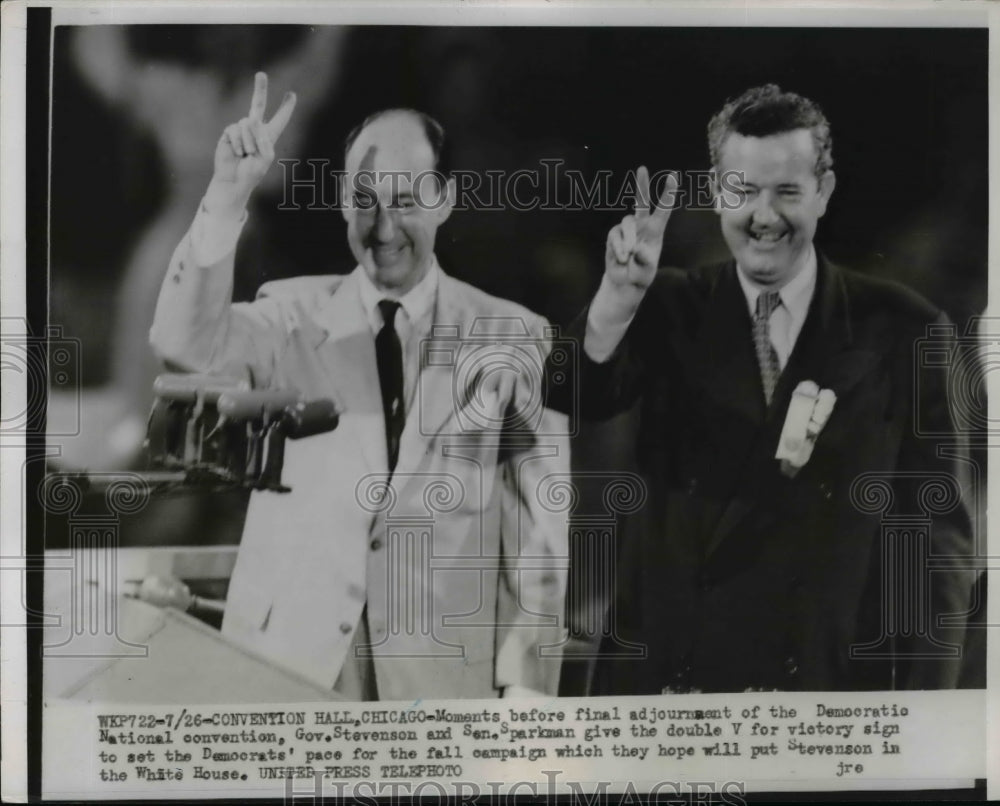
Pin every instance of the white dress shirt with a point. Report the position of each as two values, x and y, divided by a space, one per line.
788 317
413 320
214 235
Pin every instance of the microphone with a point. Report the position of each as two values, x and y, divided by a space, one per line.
220 431
188 388
309 419
296 421
262 404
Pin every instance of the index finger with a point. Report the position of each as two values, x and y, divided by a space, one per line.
666 203
259 102
640 200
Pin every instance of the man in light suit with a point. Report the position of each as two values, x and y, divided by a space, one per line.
756 565
414 556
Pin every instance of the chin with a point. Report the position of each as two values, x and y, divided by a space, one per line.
393 276
763 275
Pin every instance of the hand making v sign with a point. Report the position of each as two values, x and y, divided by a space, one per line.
245 151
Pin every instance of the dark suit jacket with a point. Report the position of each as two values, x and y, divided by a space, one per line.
734 576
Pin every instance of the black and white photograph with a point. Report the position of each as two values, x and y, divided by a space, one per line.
580 400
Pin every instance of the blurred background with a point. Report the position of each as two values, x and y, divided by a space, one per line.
137 111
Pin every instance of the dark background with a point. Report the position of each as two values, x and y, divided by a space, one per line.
908 109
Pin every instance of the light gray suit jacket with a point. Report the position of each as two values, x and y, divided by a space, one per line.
462 562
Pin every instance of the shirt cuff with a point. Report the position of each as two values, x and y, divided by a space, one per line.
213 236
606 326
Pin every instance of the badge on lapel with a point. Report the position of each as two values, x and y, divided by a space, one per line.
807 414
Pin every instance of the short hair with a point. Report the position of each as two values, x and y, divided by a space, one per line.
434 131
766 110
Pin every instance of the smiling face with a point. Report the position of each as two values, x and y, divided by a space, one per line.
781 200
393 203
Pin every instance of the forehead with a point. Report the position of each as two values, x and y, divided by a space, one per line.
394 142
778 156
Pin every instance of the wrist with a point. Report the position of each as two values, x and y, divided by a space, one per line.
614 304
225 200
608 319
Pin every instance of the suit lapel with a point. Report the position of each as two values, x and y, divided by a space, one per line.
723 362
825 352
348 354
434 398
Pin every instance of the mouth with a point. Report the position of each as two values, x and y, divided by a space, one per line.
386 253
766 239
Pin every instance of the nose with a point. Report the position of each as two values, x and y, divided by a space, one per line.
385 225
764 212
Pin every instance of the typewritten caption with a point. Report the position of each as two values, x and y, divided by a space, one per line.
837 738
382 741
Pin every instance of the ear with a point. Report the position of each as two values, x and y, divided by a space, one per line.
443 211
827 182
344 197
716 191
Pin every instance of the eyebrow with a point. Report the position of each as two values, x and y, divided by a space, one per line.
781 186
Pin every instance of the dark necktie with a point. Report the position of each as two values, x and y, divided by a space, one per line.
767 358
389 356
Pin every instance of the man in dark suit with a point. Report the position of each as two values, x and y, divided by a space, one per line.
766 556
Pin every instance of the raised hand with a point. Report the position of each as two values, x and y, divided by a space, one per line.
246 150
634 245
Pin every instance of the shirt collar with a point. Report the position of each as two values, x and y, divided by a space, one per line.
795 295
416 303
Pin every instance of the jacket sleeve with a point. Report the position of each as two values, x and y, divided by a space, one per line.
595 390
534 543
934 454
197 328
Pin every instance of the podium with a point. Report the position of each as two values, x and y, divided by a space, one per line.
101 646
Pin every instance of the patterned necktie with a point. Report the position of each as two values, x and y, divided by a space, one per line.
767 358
389 357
